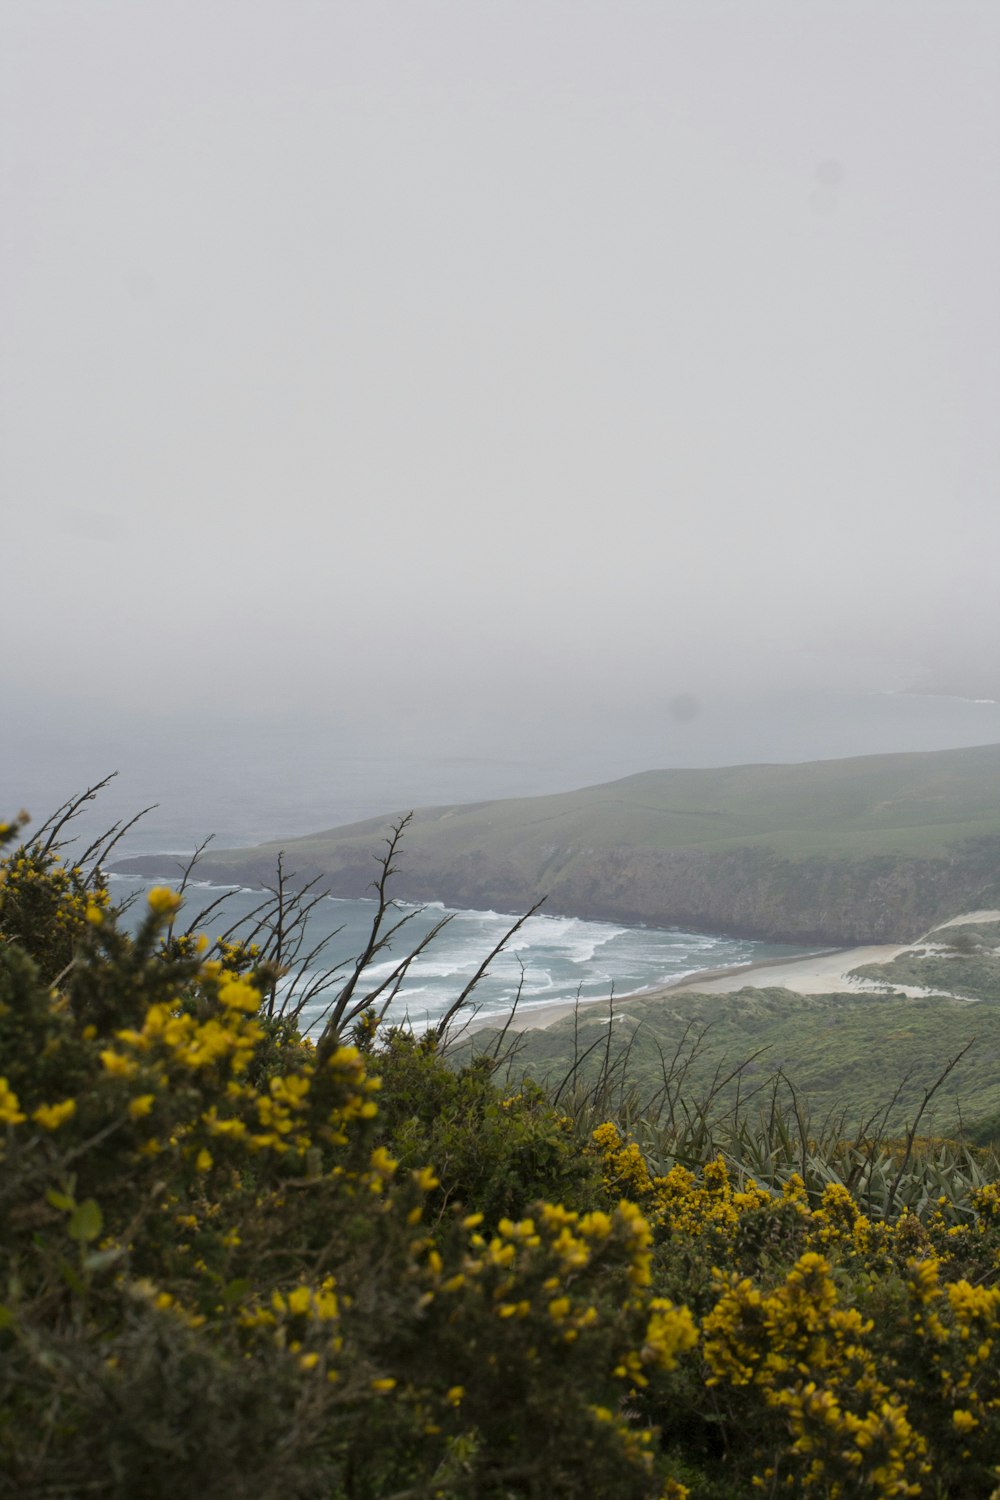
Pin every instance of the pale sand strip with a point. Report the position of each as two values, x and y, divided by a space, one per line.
812 974
825 973
816 974
972 916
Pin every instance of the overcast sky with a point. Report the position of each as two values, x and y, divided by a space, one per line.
373 353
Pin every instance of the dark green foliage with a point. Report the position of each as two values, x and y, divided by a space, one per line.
497 1150
848 1056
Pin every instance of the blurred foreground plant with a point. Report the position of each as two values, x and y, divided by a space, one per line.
218 1269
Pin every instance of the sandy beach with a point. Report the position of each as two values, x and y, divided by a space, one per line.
823 973
810 974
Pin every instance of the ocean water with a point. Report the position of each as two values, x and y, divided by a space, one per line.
550 958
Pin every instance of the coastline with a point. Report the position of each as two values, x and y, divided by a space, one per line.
811 973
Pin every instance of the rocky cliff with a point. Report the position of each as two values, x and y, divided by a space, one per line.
873 849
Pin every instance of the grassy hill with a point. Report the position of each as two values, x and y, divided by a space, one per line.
870 848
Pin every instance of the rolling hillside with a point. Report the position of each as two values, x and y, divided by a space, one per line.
872 848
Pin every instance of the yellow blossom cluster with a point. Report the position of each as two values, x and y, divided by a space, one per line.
811 1360
530 1270
38 889
955 1342
677 1202
10 1106
852 1404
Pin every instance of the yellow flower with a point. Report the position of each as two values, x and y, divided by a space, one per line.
381 1387
240 994
116 1065
141 1105
203 1161
596 1225
232 1127
51 1116
670 1331
164 901
298 1300
10 1109
964 1421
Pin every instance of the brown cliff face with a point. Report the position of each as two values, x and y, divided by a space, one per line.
746 892
871 849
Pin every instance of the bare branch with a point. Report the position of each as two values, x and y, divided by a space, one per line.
69 810
376 938
109 839
456 1005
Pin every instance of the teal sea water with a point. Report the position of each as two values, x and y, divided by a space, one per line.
551 958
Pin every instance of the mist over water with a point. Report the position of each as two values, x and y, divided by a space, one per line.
256 778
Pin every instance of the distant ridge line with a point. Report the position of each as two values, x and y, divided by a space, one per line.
871 848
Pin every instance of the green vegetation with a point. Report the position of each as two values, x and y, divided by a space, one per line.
875 848
225 1266
361 1268
961 960
968 936
968 978
846 1055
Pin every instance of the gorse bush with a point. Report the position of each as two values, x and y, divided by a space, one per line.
235 1260
495 1148
218 1268
861 1352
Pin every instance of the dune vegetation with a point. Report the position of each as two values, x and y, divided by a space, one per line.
847 1056
360 1267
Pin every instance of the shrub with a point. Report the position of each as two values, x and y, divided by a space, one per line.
842 1354
216 1272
